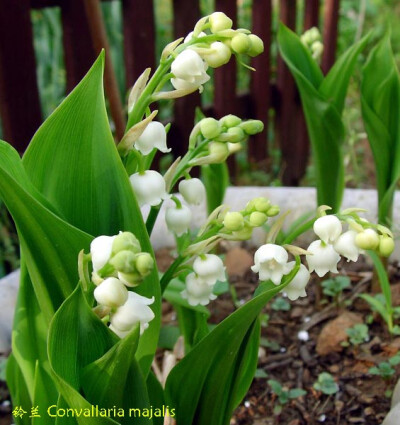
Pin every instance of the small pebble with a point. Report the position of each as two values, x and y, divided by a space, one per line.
303 336
322 418
282 350
307 319
247 404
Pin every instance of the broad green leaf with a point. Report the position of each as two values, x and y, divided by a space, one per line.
383 279
116 380
377 305
299 55
324 124
73 161
380 101
335 84
49 244
156 394
221 360
18 389
77 338
45 395
216 180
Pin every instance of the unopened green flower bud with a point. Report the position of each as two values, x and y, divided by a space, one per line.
386 245
219 22
236 135
258 204
130 279
219 54
317 49
240 43
218 152
273 210
126 241
244 234
368 239
257 219
256 45
124 261
144 263
210 128
230 121
252 127
234 147
233 221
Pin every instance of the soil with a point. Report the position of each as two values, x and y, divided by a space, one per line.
361 398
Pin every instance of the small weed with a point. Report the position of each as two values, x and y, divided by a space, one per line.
326 384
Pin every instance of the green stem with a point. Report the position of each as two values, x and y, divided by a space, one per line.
151 219
169 274
297 232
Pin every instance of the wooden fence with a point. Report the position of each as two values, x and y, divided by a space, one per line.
84 36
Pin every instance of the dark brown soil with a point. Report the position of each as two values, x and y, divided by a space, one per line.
361 399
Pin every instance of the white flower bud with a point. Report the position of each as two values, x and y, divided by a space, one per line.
324 258
271 262
346 245
189 70
317 48
178 219
148 187
328 228
135 310
189 37
368 239
154 136
296 287
101 248
111 293
197 291
192 190
210 269
219 22
218 55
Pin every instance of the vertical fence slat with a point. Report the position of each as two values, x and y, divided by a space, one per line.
186 14
139 38
99 41
260 92
331 18
311 14
19 96
79 52
225 99
287 110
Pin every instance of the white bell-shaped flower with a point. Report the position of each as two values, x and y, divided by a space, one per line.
197 291
193 191
328 228
189 70
135 310
296 287
209 269
149 187
154 136
101 248
324 258
178 219
111 293
271 262
346 245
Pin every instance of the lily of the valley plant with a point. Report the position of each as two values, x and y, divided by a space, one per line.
88 317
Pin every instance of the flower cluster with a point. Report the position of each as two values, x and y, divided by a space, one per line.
322 255
118 263
312 40
325 253
207 270
210 50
